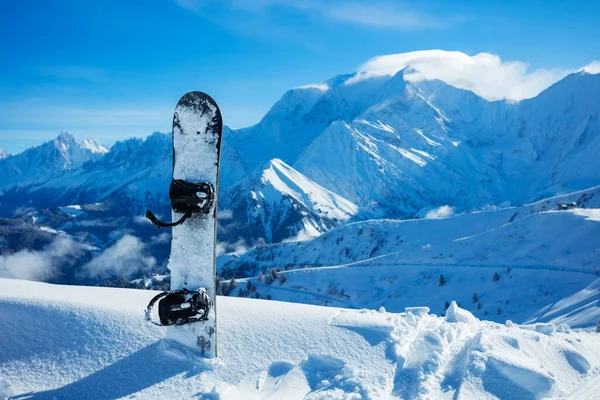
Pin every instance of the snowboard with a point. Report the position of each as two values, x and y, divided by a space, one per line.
197 129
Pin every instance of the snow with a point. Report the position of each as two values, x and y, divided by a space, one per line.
281 204
5 390
93 146
287 181
74 210
546 261
79 342
456 314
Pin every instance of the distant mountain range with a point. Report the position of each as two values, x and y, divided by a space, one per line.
333 153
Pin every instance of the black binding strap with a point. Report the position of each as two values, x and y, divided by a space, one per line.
179 307
151 304
159 224
186 198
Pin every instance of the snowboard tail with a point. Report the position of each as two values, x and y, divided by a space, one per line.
190 308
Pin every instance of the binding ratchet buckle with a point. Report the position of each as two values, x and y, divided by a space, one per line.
186 198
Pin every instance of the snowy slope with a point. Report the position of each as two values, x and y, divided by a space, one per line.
3 154
75 342
531 235
428 144
546 260
280 203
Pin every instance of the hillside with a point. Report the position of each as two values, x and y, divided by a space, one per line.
77 342
546 261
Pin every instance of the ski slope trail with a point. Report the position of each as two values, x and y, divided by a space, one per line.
70 342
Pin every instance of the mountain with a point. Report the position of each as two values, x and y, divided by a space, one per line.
71 342
431 145
64 172
328 154
35 165
280 203
396 148
3 154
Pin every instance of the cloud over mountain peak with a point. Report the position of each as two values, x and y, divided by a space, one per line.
485 74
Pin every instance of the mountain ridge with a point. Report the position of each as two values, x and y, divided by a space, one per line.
392 147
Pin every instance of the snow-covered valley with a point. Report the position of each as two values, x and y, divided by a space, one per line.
72 342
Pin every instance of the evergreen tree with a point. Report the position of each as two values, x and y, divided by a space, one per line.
261 277
446 305
496 277
475 298
498 311
442 280
281 278
479 305
269 277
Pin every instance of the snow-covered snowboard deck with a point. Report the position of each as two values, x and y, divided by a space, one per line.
197 128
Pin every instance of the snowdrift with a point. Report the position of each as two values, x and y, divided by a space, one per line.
83 342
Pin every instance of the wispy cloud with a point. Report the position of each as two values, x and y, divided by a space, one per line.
122 260
392 15
383 15
39 265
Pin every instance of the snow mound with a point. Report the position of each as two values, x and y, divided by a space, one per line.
79 342
5 390
457 314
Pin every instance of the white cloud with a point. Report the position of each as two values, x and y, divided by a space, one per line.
141 220
38 265
485 74
162 238
440 212
323 87
385 15
592 68
225 215
239 247
301 236
123 259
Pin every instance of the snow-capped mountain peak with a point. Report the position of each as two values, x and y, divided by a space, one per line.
46 161
3 154
288 182
94 146
280 203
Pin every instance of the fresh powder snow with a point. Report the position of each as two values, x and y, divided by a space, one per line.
73 342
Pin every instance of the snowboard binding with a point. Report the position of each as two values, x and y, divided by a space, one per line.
186 198
180 307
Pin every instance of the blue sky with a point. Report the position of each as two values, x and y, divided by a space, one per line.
113 69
